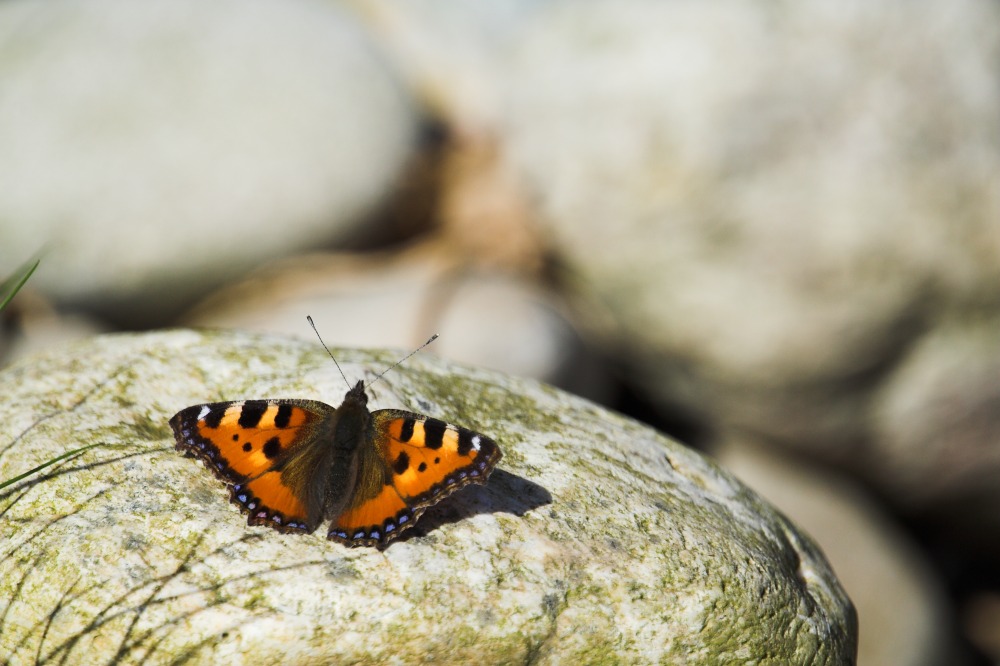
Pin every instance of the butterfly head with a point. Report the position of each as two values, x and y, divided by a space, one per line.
357 394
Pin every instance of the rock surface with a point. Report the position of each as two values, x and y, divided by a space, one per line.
904 617
156 153
595 540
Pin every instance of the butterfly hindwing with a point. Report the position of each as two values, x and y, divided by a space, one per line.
268 501
246 444
412 462
375 517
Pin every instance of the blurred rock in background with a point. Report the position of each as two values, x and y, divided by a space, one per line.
399 299
779 224
157 151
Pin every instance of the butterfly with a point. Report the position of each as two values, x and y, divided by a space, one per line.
292 464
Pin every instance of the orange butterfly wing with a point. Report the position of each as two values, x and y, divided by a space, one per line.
410 463
245 444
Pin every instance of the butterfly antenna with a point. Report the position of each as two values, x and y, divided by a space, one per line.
429 340
311 323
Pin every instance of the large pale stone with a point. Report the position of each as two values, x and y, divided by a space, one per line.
157 150
595 540
787 221
763 202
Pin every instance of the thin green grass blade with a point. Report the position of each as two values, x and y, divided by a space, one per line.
13 284
48 463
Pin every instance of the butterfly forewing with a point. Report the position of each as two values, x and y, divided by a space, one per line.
429 458
244 442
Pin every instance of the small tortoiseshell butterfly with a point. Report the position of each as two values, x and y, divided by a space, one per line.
291 464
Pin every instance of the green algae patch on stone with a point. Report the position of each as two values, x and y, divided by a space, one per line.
596 540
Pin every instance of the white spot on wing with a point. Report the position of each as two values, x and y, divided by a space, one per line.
204 412
475 442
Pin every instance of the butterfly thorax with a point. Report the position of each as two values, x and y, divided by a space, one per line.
352 418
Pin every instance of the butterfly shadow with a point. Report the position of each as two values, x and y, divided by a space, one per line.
503 493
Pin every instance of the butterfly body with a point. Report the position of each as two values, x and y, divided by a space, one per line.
291 464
